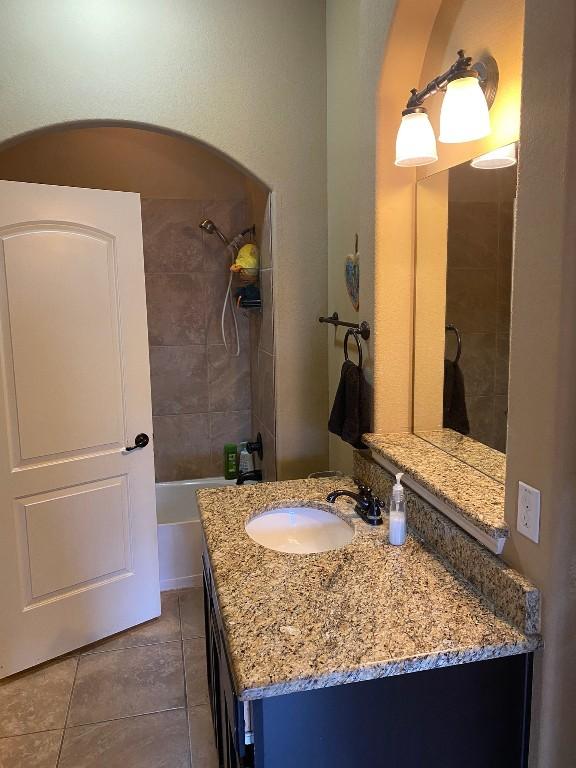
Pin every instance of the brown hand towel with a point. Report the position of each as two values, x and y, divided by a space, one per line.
350 416
455 414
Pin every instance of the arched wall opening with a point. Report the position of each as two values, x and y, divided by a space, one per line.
202 396
246 78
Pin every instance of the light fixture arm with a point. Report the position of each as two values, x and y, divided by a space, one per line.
469 93
462 66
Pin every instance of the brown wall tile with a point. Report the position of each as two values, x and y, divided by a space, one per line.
179 378
201 395
481 416
227 427
176 312
182 446
231 217
502 372
266 341
470 299
478 362
228 380
473 230
172 237
480 246
216 284
268 463
265 404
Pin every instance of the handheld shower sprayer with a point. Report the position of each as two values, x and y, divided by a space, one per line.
208 226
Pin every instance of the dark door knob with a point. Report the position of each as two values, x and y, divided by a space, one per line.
140 441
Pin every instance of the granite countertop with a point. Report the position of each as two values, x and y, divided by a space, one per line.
466 490
477 455
365 611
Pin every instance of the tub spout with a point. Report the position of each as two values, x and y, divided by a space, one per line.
254 474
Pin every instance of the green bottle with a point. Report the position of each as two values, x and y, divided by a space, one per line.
230 471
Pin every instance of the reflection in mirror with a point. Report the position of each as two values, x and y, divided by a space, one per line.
465 222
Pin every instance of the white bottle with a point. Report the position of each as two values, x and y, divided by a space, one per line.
397 523
246 460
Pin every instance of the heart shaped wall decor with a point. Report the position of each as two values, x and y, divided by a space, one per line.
352 276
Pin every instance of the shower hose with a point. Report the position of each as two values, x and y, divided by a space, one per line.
228 300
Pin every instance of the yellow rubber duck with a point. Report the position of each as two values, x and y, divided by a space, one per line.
247 260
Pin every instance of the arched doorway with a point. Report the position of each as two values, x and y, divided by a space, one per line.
203 397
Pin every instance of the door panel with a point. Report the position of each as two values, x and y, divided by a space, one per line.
78 547
61 298
57 521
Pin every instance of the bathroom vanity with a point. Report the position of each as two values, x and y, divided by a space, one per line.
366 655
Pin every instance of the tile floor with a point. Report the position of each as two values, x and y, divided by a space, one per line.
135 700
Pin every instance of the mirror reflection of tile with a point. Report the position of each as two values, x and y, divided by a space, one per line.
479 246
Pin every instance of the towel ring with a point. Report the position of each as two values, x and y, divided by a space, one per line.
354 333
454 329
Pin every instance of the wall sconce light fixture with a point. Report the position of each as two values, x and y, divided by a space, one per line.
469 94
503 157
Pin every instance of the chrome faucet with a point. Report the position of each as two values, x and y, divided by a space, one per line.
368 507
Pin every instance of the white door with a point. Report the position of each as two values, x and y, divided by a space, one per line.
78 550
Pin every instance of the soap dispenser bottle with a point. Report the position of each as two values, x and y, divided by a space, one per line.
397 522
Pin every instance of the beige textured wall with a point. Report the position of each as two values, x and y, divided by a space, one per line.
246 78
395 230
541 435
490 27
344 125
430 301
356 40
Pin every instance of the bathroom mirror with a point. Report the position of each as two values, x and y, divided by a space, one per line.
464 246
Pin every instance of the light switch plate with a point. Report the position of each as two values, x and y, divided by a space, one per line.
528 520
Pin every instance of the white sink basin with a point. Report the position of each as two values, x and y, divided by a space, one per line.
301 530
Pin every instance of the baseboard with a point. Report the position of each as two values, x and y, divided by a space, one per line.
183 583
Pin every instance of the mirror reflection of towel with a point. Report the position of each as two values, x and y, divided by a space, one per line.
455 415
350 416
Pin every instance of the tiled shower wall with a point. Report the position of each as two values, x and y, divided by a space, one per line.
478 303
201 395
262 343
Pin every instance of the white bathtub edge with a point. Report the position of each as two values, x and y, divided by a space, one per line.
183 583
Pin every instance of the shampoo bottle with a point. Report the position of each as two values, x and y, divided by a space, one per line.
397 523
245 459
230 470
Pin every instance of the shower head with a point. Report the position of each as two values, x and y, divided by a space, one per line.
208 226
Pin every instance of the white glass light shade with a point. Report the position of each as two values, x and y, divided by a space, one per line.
498 158
464 115
415 142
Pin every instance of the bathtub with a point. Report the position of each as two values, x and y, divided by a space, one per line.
179 533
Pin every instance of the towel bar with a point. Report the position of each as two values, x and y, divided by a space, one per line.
362 328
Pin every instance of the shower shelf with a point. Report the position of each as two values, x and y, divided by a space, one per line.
250 303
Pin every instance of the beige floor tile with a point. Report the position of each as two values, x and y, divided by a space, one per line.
148 741
195 665
35 750
36 700
192 612
202 746
165 629
134 681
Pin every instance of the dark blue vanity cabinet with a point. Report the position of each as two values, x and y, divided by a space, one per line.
473 715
